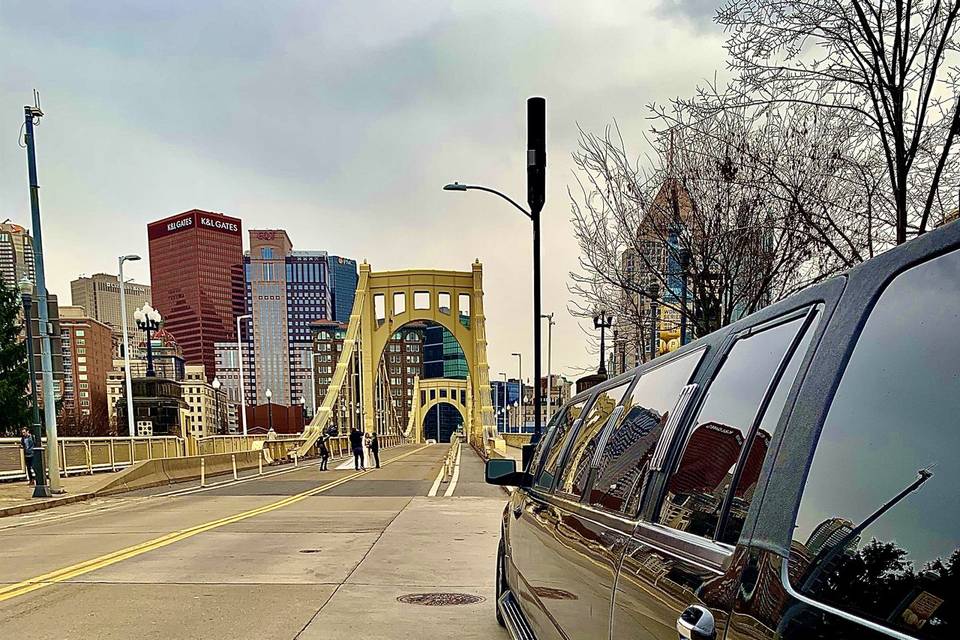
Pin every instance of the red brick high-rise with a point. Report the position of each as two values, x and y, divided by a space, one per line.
196 272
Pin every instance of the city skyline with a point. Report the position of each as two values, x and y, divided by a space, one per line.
209 140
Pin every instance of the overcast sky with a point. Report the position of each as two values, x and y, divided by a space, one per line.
337 121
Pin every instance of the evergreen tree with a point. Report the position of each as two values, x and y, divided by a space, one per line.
14 374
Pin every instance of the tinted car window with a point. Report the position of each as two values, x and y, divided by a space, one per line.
588 436
878 529
696 490
561 430
626 455
749 473
544 443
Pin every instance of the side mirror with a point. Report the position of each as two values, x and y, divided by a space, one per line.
503 471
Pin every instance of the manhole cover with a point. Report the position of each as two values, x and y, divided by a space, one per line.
310 550
440 599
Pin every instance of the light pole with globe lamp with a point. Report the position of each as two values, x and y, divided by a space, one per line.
131 257
148 320
602 321
217 423
269 395
520 421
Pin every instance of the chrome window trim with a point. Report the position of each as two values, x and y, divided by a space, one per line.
696 550
669 429
605 435
840 613
699 552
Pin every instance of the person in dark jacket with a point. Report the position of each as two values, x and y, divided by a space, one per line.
356 443
26 443
375 449
324 453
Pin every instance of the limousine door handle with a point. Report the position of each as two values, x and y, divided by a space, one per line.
518 510
696 623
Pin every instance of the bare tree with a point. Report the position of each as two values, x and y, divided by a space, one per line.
699 223
819 164
885 63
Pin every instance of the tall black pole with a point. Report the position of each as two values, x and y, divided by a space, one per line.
654 320
536 196
150 372
40 489
602 370
43 310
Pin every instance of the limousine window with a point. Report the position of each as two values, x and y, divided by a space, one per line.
555 447
746 481
626 455
584 447
698 487
544 443
878 530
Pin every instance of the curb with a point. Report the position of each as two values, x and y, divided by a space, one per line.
30 507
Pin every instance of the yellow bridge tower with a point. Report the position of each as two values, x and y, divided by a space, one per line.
385 302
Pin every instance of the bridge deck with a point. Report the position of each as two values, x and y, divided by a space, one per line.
302 553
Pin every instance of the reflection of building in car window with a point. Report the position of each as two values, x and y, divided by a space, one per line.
626 456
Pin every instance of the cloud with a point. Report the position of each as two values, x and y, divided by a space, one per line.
339 121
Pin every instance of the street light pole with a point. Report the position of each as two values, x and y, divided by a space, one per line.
654 320
243 394
218 426
536 196
40 489
148 320
503 407
520 380
550 323
602 321
46 349
269 395
126 342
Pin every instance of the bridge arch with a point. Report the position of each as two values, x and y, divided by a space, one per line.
386 301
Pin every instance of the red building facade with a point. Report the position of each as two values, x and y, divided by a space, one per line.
196 272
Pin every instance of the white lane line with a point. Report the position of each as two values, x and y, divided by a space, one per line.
436 484
456 475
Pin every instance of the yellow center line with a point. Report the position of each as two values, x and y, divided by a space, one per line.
67 573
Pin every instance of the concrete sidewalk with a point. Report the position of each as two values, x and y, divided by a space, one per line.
17 497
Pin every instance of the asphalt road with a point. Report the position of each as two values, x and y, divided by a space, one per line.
296 554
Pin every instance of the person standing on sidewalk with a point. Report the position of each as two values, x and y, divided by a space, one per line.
356 444
375 449
27 444
324 453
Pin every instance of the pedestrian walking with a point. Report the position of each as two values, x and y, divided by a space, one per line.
324 453
356 444
375 449
27 444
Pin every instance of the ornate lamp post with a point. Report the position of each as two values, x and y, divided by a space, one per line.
148 320
654 294
602 321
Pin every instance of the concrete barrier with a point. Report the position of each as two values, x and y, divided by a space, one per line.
159 472
516 439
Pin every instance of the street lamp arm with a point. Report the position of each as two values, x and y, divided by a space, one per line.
456 186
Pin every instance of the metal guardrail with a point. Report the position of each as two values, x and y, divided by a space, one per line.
88 455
